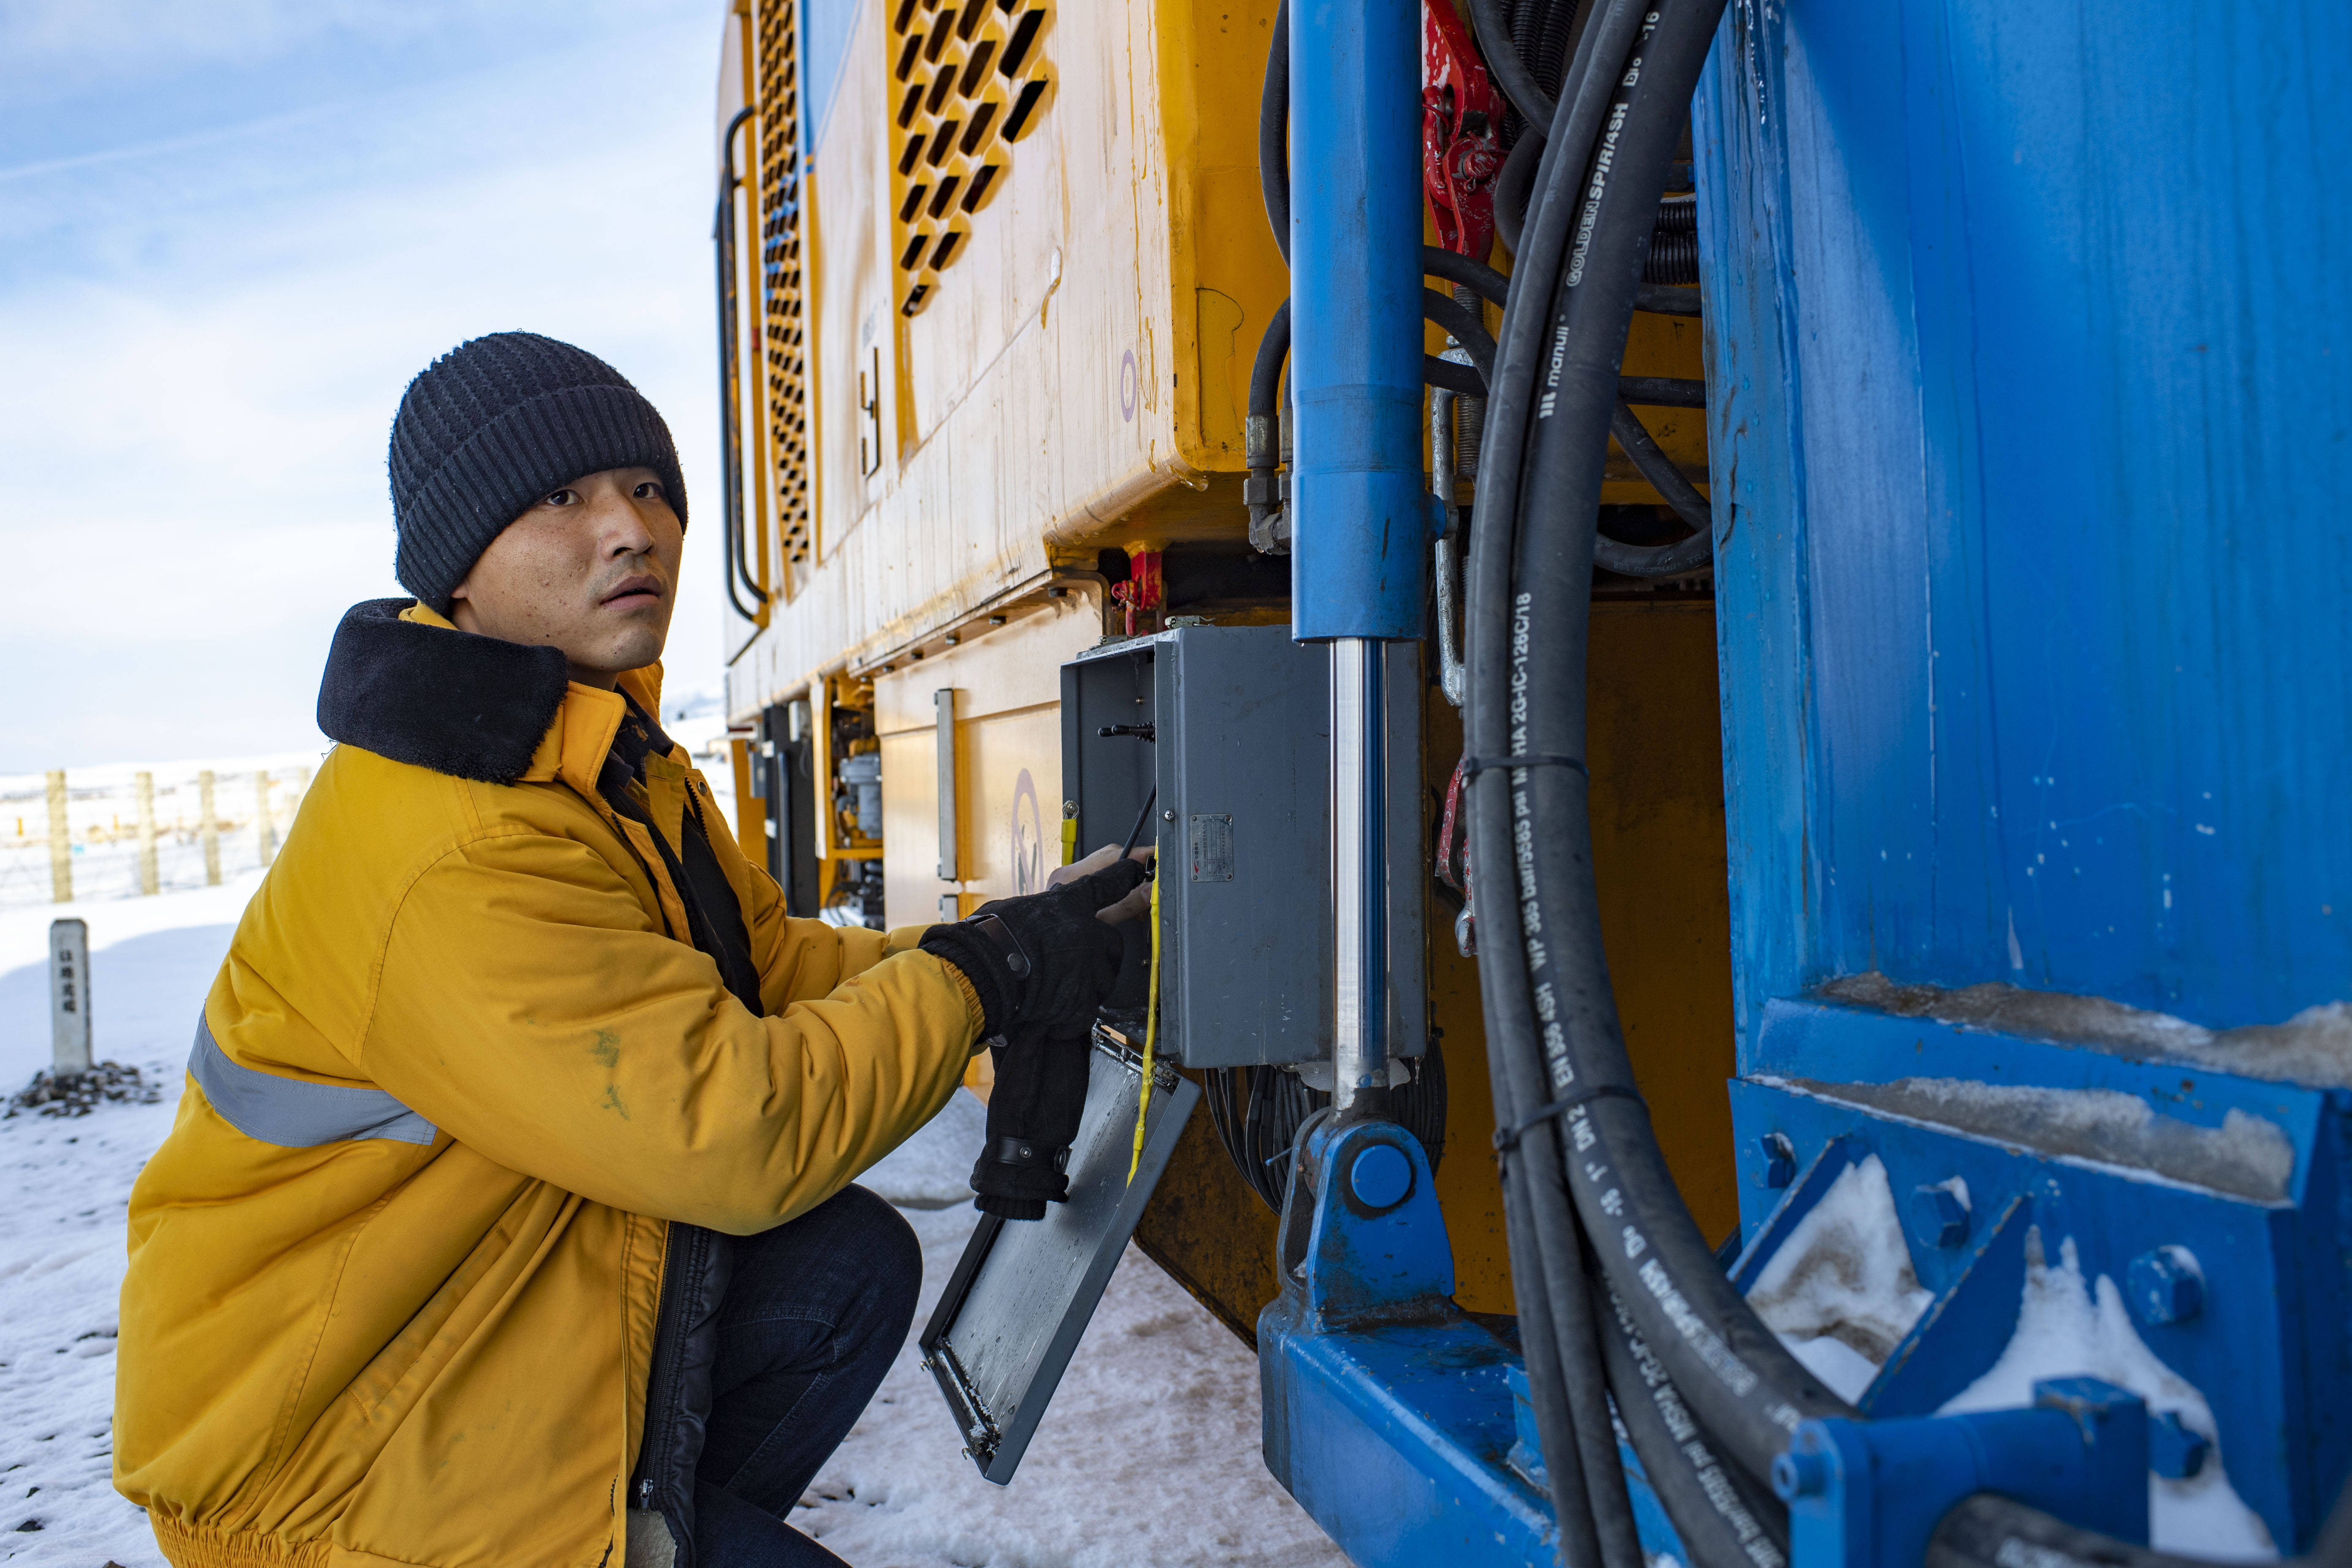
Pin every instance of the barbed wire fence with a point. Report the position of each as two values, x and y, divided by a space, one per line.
120 832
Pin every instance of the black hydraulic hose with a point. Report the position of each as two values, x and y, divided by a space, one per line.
1274 132
1545 1223
1463 325
1548 1382
1743 1384
1657 467
1722 1518
1266 371
1262 429
1451 376
1512 188
1663 391
1481 280
1684 555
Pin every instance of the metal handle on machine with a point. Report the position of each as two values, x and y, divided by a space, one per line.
730 406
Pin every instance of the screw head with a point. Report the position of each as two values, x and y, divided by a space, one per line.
2165 1286
1938 1218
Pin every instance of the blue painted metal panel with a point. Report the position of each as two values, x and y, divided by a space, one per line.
2030 423
1360 535
1390 1414
1868 1494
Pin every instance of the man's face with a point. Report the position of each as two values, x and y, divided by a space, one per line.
591 569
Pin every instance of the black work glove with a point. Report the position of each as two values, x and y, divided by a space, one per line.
1033 1119
1041 964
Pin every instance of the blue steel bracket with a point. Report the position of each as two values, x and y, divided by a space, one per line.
1388 1411
1868 1494
1371 1252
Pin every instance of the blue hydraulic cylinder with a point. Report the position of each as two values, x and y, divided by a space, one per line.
1359 518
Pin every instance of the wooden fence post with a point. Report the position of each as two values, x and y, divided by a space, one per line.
150 881
209 829
264 830
60 841
68 997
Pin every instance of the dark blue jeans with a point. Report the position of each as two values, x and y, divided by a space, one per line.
814 1312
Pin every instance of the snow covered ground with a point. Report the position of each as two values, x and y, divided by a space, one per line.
1149 1453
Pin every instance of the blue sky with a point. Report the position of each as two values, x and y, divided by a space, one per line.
229 234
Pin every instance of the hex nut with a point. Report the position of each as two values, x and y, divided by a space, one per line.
2175 1451
2165 1286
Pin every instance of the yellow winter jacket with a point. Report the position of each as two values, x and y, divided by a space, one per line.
394 1273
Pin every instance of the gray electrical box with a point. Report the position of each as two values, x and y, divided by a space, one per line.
1226 731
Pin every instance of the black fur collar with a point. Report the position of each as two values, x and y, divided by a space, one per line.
445 699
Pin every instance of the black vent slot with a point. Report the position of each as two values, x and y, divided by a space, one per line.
1016 48
983 177
1018 120
982 118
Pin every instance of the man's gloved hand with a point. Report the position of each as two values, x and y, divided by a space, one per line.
1043 962
1033 1119
1067 937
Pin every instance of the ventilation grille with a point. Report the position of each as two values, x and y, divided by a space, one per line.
782 317
968 80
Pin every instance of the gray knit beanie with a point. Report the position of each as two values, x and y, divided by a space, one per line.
491 426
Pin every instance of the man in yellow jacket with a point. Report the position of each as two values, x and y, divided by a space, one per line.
505 1219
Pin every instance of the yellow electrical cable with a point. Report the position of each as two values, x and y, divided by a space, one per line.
1151 1030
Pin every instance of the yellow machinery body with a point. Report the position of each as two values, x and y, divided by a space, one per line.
952 406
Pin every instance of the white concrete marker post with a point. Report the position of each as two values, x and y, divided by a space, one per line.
70 996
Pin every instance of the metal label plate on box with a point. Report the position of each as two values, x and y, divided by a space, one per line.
1212 848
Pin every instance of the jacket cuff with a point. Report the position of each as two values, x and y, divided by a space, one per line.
973 964
971 1000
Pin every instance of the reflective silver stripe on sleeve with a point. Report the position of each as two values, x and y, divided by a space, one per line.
292 1113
